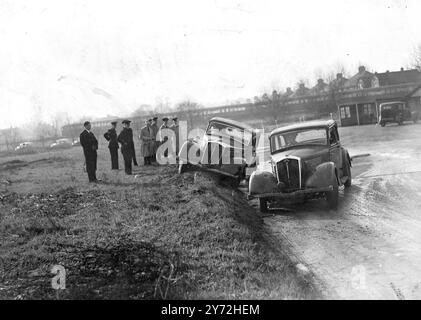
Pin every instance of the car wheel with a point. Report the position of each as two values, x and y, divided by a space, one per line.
348 182
332 196
263 205
382 123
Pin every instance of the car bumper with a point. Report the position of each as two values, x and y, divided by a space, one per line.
290 195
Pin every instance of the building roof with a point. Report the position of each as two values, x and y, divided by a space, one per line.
305 124
398 77
362 75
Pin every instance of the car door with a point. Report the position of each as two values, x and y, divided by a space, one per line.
335 149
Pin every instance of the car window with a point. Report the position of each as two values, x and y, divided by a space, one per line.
220 129
298 137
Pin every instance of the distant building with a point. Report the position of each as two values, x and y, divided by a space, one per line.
358 103
352 101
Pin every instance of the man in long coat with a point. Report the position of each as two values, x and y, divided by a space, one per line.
175 127
133 150
111 137
126 140
90 145
155 143
163 139
147 140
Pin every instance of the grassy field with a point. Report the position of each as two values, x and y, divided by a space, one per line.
156 235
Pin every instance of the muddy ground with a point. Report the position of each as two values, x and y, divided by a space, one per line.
370 248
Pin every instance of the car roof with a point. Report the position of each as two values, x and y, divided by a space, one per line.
303 125
232 123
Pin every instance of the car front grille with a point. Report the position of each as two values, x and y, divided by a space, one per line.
289 173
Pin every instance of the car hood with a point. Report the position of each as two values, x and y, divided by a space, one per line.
304 153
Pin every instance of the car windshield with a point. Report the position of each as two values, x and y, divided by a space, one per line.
283 140
224 130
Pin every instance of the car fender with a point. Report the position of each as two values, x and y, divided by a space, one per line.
262 182
322 176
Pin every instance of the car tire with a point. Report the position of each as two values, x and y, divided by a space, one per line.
332 196
382 123
348 181
263 203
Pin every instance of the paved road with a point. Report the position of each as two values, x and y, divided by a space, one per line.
370 248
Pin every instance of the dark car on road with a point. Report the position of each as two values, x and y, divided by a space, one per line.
227 148
396 112
308 161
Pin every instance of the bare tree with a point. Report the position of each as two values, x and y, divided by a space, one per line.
44 131
189 108
11 137
416 57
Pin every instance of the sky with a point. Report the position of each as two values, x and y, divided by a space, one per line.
68 60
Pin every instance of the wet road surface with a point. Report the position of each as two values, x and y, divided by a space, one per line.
370 247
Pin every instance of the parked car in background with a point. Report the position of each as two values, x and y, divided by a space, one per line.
25 147
61 144
396 112
76 143
308 162
226 148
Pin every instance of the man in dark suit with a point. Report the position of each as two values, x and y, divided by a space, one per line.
111 137
133 149
90 145
126 139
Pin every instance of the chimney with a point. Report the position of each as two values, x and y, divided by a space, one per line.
402 69
301 86
339 76
361 69
289 91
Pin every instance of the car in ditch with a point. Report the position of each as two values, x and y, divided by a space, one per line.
307 161
226 148
396 112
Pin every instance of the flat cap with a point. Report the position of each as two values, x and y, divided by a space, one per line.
125 121
165 119
155 118
113 122
86 123
174 118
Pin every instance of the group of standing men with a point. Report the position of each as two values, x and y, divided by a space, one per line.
150 141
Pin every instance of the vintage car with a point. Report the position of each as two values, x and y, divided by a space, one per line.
396 112
61 144
307 162
76 143
25 147
227 148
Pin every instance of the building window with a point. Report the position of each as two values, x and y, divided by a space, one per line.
375 82
367 109
345 112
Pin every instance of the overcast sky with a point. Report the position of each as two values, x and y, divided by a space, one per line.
95 58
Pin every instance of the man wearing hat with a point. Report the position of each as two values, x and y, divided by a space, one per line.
147 140
126 139
174 127
155 142
165 138
90 145
111 137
